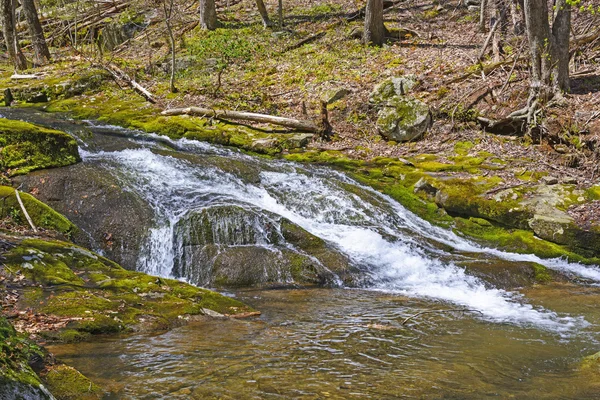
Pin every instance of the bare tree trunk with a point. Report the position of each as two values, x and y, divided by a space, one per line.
208 15
561 33
10 35
482 15
264 15
374 28
516 14
40 48
499 21
280 13
538 35
168 10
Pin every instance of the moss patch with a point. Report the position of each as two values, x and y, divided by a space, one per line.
67 383
15 353
25 147
42 215
96 295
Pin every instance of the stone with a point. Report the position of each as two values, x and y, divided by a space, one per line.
111 221
298 140
425 187
265 144
403 119
334 95
553 228
549 180
225 246
391 87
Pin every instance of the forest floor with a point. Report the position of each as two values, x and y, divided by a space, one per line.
248 68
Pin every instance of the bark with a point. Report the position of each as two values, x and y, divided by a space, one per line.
482 15
168 11
538 36
499 21
280 13
561 32
374 28
264 15
208 15
10 35
549 48
40 48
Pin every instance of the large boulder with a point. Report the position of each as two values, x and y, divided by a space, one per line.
110 220
228 245
401 117
391 87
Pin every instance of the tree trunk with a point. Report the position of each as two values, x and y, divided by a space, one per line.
374 29
499 22
561 33
482 15
264 15
280 13
10 35
549 47
538 35
168 11
208 14
40 48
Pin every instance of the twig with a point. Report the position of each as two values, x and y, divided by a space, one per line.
25 211
438 311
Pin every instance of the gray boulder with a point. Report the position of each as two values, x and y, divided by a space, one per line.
391 87
227 245
403 119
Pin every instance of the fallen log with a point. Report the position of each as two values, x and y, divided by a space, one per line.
297 124
119 74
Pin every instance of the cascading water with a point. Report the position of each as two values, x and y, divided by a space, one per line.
391 246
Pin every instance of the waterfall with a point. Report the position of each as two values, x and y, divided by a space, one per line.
389 244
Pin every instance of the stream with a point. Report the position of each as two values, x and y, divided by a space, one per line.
339 342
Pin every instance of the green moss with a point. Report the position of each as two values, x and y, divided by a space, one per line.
518 241
463 148
42 215
66 383
98 296
25 147
542 274
15 352
466 198
593 193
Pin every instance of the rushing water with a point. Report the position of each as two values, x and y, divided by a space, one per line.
345 343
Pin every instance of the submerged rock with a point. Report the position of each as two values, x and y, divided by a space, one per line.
241 246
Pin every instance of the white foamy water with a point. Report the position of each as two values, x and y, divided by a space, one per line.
380 237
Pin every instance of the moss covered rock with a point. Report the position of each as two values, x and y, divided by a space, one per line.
66 383
26 147
237 246
403 119
17 378
42 215
91 294
110 219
